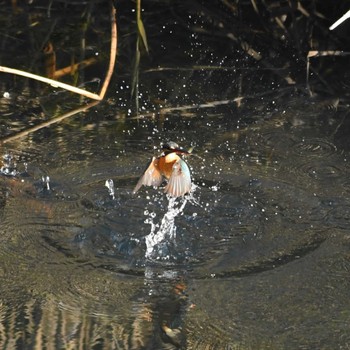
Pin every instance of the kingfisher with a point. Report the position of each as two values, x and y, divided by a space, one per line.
171 166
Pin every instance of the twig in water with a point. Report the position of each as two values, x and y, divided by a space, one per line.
47 123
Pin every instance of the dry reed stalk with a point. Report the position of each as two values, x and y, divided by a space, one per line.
68 70
98 97
55 83
52 82
340 21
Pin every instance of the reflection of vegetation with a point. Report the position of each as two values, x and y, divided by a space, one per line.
46 323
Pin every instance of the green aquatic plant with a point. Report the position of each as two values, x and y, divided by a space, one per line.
141 42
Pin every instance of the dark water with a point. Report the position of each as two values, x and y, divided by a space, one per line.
256 257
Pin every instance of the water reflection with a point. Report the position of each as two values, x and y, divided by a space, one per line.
111 269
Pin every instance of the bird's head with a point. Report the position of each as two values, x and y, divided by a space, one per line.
173 147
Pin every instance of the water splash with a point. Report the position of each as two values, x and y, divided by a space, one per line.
9 167
110 185
46 182
163 234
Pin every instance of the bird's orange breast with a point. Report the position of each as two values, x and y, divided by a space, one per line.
165 165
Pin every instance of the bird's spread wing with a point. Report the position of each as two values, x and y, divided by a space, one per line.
151 176
180 180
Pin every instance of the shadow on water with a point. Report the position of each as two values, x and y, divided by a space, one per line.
255 257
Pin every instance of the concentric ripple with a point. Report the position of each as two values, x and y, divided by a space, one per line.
314 147
233 226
